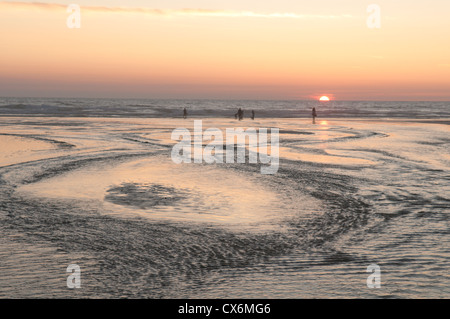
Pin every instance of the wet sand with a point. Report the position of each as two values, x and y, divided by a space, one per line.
105 194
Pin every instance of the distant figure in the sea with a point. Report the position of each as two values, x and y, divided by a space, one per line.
253 115
240 114
314 115
184 113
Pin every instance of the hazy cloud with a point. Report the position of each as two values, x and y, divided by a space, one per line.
170 12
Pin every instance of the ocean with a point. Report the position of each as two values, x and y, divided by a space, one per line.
91 182
78 107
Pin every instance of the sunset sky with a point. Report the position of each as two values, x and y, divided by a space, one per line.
247 49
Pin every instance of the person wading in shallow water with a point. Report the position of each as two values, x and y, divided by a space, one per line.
184 113
314 115
239 114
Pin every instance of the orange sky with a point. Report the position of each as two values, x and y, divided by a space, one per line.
226 52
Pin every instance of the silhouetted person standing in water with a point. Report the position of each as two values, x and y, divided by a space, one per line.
240 114
184 113
253 115
314 115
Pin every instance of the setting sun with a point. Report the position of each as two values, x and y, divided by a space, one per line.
324 98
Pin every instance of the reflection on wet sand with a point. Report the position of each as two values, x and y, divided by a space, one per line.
104 193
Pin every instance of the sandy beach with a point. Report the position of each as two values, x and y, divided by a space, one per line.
104 193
